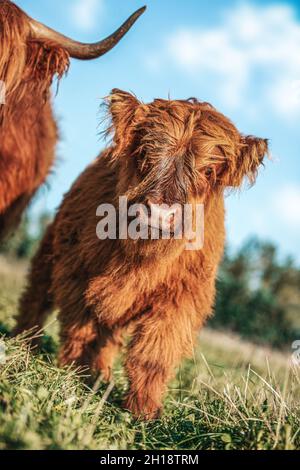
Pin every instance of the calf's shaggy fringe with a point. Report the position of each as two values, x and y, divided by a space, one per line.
166 151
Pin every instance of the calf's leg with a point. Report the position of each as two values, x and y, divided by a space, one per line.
77 340
86 343
107 346
160 340
36 302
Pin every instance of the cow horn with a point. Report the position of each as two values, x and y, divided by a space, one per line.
80 50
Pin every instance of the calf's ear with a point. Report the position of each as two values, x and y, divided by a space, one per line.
252 151
121 104
123 108
255 148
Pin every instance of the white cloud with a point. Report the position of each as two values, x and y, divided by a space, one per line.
84 13
285 95
287 206
252 41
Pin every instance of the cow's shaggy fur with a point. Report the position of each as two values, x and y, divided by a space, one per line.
170 151
28 132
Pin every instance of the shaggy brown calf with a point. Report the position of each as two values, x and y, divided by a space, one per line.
166 151
30 56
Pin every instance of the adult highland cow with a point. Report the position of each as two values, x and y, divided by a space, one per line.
164 152
31 55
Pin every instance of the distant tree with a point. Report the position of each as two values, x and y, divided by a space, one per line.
258 296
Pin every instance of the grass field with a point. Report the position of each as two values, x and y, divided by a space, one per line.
231 395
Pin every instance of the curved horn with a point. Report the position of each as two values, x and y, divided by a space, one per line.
80 50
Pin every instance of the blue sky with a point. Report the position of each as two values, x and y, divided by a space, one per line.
243 57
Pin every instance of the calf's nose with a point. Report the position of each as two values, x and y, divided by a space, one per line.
163 214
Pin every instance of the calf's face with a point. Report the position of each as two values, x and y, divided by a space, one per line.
177 152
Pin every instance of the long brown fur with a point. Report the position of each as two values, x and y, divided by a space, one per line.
171 151
28 131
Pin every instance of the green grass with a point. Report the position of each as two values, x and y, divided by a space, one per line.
231 395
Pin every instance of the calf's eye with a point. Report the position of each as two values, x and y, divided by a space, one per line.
208 171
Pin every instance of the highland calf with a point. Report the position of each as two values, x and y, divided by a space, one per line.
31 55
155 290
